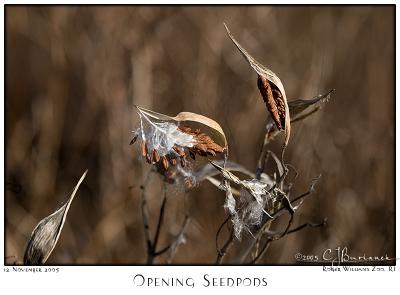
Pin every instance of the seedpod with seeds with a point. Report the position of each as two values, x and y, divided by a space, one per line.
172 144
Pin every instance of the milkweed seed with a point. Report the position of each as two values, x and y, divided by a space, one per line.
148 158
183 162
165 163
144 148
172 161
156 156
178 150
133 139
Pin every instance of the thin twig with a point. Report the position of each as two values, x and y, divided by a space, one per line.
163 250
174 245
160 217
263 250
272 238
264 152
145 217
266 225
302 196
307 224
299 118
224 250
217 235
278 236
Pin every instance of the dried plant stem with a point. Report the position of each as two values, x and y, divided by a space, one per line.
307 224
271 239
224 250
257 253
145 217
152 245
228 244
257 246
265 228
264 153
218 233
285 233
160 217
175 244
263 250
302 117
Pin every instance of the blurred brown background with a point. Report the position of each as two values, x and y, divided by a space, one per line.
73 74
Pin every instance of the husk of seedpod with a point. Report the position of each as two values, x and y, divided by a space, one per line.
194 121
269 75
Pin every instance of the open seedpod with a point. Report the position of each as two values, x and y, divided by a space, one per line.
46 233
299 110
271 89
172 143
257 200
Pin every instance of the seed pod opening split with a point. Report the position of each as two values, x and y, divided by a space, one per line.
271 89
45 235
164 140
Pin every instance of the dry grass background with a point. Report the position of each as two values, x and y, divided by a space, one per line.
73 75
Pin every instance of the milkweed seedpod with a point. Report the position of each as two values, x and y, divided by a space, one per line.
255 202
271 89
298 106
45 235
164 140
300 109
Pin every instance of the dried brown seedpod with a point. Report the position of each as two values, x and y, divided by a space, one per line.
271 89
45 235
